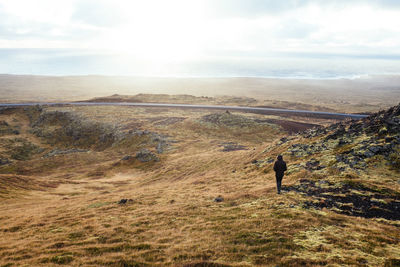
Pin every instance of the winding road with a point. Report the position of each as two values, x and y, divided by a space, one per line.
262 110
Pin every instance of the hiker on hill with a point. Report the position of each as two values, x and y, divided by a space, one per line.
279 168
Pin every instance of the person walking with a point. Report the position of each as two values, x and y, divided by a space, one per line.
279 168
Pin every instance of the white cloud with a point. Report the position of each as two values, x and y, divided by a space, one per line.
182 30
44 11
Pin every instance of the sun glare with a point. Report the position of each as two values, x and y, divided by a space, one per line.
157 31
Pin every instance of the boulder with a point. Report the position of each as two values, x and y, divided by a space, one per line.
4 161
314 165
146 155
124 201
219 199
127 157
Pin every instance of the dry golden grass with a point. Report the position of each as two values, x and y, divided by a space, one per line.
172 219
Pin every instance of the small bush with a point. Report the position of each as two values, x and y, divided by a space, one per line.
392 262
25 151
61 259
395 160
76 235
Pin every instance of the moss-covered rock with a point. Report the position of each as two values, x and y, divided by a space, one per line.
146 155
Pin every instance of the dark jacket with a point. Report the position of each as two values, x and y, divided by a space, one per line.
280 167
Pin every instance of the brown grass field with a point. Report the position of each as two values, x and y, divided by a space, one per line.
64 210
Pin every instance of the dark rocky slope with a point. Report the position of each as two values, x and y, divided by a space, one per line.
352 167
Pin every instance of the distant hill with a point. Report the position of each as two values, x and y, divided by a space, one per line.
345 95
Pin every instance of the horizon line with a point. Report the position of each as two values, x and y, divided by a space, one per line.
340 77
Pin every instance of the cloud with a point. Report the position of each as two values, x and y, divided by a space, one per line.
249 8
295 29
99 13
166 29
257 8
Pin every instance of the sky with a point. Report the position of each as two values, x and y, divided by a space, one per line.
160 35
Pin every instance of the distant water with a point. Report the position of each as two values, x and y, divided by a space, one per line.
305 66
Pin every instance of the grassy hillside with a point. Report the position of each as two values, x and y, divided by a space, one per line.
125 186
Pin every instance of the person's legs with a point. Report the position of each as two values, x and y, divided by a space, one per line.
279 183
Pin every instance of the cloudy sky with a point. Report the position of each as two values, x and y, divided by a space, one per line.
164 31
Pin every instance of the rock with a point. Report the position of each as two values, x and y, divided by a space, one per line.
232 147
138 132
383 131
219 199
145 155
336 134
389 139
341 158
313 165
124 201
77 131
228 120
6 129
355 128
56 152
161 146
4 161
397 139
127 157
310 133
368 154
343 142
283 140
375 149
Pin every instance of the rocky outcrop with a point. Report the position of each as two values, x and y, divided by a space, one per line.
355 142
56 152
6 129
350 198
68 128
232 146
22 149
383 124
228 120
